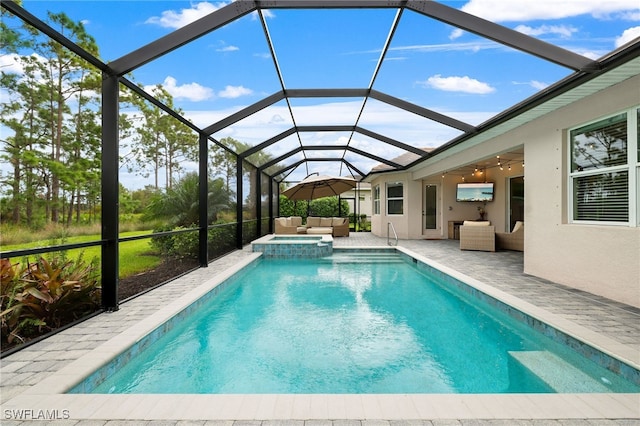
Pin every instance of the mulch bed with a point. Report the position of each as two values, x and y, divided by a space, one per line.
167 270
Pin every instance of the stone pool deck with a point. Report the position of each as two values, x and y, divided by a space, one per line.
612 322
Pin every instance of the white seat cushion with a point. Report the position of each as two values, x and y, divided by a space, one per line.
476 223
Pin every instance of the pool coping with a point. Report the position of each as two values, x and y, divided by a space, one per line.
49 394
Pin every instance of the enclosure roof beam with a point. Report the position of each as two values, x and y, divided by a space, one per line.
329 4
326 93
390 141
308 160
349 128
503 35
352 167
284 156
182 36
149 98
38 24
244 113
329 148
268 142
354 150
332 128
424 112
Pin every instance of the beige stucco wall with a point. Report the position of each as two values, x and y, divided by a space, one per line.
409 224
603 260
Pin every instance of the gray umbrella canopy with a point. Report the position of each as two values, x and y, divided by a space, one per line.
314 187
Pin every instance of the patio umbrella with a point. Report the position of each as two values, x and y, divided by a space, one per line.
313 187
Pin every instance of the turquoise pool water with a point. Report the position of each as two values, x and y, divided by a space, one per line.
352 324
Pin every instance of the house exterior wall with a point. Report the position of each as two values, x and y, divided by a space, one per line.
600 259
407 225
359 200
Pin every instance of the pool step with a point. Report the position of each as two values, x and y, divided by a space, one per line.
363 257
557 373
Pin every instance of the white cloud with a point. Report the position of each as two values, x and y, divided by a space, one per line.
631 15
174 19
228 49
457 33
15 64
234 92
265 12
524 10
538 85
10 64
177 19
191 91
474 46
628 35
458 84
563 31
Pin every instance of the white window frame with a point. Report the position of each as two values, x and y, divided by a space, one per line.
376 200
401 198
632 167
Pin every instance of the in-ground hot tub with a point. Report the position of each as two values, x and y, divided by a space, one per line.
294 246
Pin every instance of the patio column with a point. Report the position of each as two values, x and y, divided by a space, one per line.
203 200
259 202
271 182
238 202
109 191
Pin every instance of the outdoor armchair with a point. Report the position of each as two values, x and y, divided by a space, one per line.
340 226
477 236
513 240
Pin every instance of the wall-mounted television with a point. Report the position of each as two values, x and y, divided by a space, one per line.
475 191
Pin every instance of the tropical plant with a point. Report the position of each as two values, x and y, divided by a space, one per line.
45 295
179 204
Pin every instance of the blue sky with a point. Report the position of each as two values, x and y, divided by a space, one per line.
429 63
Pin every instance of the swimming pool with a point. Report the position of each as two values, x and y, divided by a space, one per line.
388 328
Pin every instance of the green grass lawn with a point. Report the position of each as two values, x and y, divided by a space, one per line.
134 256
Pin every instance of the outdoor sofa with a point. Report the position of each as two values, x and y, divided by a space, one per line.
289 225
477 235
339 225
336 226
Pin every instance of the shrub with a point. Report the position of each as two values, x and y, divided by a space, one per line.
221 240
180 246
44 295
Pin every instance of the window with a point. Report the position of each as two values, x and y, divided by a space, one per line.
376 199
394 198
603 164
